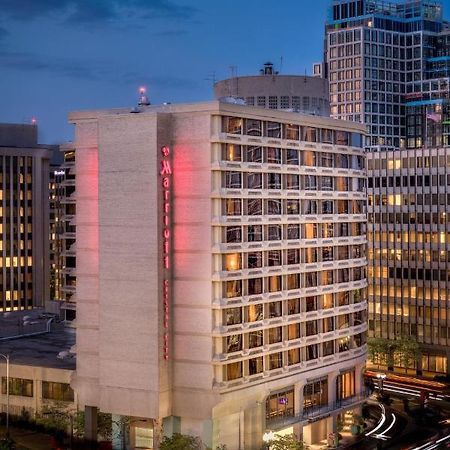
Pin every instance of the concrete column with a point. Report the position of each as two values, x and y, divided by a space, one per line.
332 379
157 432
90 425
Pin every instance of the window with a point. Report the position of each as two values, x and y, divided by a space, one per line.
310 134
255 286
233 343
254 260
232 125
255 314
273 128
254 181
292 132
232 262
233 316
293 256
57 391
233 234
280 404
232 152
253 127
233 288
274 258
274 180
255 339
310 182
292 207
293 356
273 155
292 181
254 207
274 232
232 207
232 180
254 233
309 158
315 394
254 154
234 371
18 386
275 335
293 231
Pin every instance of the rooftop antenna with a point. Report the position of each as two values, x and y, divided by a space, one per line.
143 99
212 77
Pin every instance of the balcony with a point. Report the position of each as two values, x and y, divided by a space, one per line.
317 413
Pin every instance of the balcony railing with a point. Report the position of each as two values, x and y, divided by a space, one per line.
317 412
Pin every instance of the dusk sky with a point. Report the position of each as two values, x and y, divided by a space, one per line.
58 56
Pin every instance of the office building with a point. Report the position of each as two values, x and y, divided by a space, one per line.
220 253
24 215
272 90
381 61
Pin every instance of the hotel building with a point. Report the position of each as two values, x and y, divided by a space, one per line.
24 218
221 271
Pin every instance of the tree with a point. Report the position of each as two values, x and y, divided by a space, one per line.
408 351
381 351
181 442
287 442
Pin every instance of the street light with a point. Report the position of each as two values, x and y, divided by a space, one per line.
7 392
381 377
268 437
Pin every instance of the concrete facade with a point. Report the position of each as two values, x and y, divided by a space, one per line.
162 279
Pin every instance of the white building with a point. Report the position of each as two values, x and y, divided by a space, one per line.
221 286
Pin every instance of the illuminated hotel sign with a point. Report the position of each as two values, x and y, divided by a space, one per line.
166 182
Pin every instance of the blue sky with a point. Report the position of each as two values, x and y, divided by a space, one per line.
62 55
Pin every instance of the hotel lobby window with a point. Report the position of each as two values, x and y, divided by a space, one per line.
254 233
233 371
233 234
274 258
309 158
232 180
273 155
254 260
291 181
274 233
233 288
254 181
292 157
232 262
275 361
293 356
293 231
254 154
328 348
233 316
293 331
232 152
345 385
253 127
273 180
233 343
255 286
232 125
275 335
255 365
315 394
293 306
232 207
254 207
254 313
280 404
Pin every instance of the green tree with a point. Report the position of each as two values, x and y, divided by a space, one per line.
287 442
408 351
181 442
381 351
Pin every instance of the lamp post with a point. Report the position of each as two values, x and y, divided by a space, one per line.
268 438
381 377
7 392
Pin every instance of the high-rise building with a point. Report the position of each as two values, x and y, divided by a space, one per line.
270 89
388 68
382 60
24 218
221 286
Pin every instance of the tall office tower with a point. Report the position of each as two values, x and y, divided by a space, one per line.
67 237
24 218
409 280
221 287
272 90
379 55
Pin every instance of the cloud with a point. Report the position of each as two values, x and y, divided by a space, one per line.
84 11
66 67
